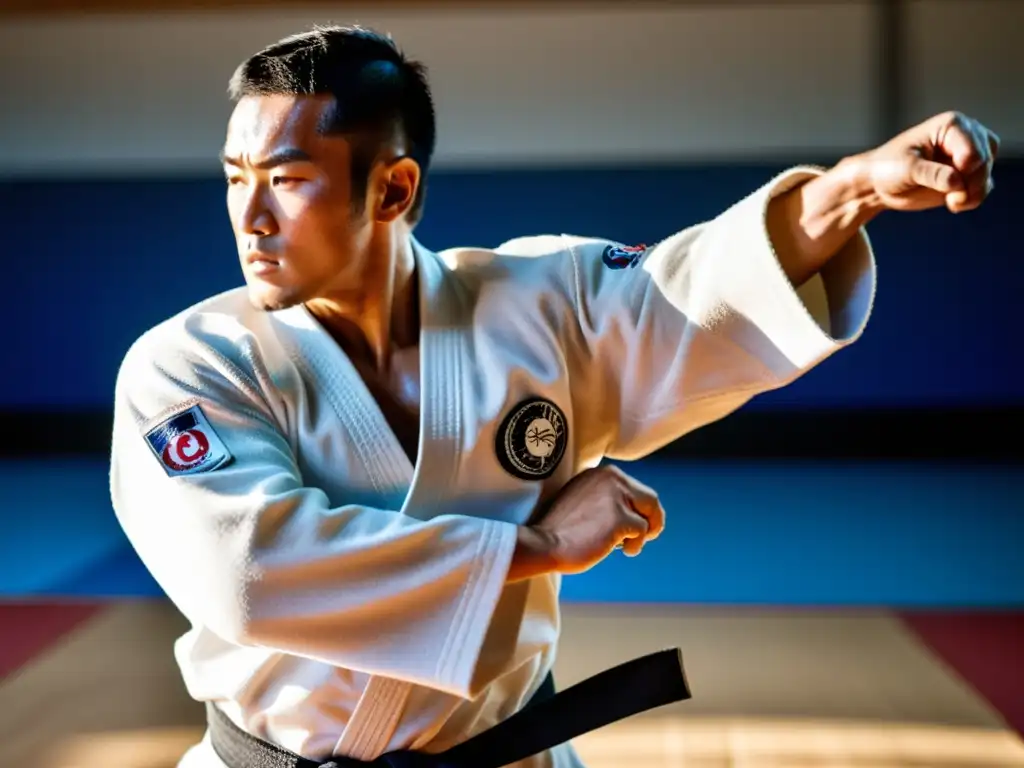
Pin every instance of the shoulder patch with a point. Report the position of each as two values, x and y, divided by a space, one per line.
622 256
186 444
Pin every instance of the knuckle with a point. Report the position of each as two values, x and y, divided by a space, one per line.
611 470
953 117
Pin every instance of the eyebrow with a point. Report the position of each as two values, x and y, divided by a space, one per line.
281 157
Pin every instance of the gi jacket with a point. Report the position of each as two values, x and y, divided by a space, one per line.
346 601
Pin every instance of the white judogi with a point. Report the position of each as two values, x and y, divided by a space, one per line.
345 601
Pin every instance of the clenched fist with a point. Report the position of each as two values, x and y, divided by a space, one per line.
596 512
945 161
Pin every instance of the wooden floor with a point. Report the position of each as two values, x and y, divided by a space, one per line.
771 688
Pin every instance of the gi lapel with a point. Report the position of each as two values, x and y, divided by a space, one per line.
333 377
442 348
443 380
442 344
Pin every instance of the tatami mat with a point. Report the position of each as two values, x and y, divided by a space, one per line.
771 688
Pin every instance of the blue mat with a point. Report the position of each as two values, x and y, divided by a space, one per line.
795 534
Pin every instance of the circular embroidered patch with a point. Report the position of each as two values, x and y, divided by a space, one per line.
531 439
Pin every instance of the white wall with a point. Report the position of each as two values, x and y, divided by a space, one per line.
112 95
968 55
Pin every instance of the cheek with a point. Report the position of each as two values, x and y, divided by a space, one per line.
294 208
308 219
319 227
317 220
334 237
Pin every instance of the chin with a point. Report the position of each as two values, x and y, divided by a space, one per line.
272 300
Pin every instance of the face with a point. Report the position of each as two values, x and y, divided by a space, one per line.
289 198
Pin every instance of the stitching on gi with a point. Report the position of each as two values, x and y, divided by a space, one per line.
388 702
470 599
576 279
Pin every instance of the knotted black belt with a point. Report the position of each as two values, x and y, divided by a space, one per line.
628 689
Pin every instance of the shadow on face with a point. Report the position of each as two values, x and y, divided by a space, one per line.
298 229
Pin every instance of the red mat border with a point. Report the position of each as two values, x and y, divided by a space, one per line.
32 628
985 648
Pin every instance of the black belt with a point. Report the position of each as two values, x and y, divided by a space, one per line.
617 693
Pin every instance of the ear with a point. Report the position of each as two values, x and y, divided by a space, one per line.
397 182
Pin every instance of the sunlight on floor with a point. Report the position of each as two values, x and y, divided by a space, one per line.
772 689
760 743
658 743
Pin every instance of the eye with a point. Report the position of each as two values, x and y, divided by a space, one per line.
233 179
286 181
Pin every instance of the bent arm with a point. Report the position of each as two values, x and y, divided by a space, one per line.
248 551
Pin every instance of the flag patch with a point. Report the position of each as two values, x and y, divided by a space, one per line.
622 256
186 444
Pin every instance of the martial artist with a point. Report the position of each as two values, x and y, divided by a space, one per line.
362 475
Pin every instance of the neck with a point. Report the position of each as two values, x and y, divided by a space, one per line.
382 317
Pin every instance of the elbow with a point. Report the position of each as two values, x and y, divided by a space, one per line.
233 616
220 604
231 624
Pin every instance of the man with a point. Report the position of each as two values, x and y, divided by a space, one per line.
362 476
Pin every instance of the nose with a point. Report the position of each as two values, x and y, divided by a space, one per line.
255 217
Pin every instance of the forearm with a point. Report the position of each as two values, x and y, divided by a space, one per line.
810 224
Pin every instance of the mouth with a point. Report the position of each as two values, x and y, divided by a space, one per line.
261 265
256 258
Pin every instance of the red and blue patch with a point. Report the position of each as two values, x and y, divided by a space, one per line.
623 256
186 444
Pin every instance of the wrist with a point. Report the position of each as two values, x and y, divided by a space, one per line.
534 554
853 188
808 225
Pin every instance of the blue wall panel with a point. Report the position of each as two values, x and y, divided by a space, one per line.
90 265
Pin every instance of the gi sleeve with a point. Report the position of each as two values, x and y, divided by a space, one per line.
673 337
246 550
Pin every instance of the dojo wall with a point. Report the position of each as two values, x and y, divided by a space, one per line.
627 123
590 118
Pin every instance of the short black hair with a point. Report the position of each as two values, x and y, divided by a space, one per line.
376 89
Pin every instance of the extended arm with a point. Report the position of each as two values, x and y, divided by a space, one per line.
756 297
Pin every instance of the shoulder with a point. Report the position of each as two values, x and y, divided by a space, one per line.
562 257
518 256
217 332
